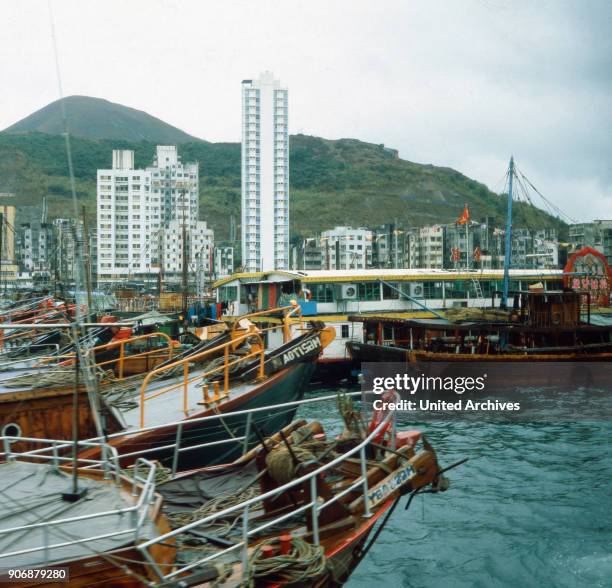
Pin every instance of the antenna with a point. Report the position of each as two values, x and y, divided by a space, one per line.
508 252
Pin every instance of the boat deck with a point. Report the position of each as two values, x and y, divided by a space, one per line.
168 407
32 493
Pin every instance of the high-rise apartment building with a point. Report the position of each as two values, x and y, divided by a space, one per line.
141 214
265 174
127 218
176 185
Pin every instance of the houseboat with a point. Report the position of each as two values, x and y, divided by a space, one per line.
334 295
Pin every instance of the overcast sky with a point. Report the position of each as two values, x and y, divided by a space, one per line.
461 83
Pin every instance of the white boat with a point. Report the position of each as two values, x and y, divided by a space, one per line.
332 295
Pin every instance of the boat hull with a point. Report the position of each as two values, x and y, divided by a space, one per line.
288 385
563 371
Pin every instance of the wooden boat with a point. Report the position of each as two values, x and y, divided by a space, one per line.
296 510
236 374
86 538
546 327
297 499
545 336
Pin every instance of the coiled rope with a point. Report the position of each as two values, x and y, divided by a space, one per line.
215 505
281 465
303 562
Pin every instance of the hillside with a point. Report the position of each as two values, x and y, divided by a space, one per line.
95 118
332 182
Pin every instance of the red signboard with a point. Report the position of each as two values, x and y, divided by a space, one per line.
588 271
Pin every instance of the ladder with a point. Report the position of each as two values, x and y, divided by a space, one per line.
477 289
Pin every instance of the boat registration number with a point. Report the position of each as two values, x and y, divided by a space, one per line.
390 484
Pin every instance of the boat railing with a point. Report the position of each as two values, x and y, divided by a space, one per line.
119 361
288 312
184 382
142 489
315 506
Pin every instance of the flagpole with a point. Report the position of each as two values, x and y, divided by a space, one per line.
467 245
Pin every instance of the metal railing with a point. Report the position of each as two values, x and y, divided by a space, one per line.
315 506
184 382
141 487
121 344
178 447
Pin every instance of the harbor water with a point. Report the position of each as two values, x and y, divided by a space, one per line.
531 507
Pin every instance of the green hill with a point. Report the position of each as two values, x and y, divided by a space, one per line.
95 118
332 182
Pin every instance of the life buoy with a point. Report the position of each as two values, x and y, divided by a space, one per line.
307 293
378 416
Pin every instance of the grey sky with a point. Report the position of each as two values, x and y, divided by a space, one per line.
454 83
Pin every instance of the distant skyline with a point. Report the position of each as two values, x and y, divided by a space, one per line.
461 84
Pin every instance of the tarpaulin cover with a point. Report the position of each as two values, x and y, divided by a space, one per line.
192 491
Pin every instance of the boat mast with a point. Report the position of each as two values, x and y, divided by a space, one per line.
507 257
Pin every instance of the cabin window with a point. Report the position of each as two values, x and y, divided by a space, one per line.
368 291
432 290
456 289
391 291
345 331
322 292
228 293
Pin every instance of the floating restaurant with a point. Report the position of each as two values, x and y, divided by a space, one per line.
333 295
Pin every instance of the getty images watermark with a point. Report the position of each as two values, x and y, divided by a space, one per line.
526 390
404 383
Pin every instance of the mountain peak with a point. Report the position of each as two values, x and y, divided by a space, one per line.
97 118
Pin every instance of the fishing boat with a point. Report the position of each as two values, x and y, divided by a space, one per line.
544 326
302 505
77 523
298 509
234 371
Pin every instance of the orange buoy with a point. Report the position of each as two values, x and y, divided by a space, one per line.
408 438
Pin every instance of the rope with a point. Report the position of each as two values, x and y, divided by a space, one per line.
210 507
162 474
280 462
304 562
353 426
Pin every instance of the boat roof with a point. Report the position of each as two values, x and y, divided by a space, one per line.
364 275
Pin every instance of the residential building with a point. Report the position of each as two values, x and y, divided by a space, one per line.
8 267
389 246
35 245
174 188
200 241
597 234
430 248
141 213
311 255
265 174
346 248
224 262
128 219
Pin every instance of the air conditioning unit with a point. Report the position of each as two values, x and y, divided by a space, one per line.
416 290
348 292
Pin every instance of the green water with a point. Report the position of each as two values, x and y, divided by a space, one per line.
532 507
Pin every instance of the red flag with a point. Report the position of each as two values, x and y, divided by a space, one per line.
465 217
